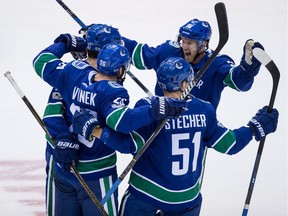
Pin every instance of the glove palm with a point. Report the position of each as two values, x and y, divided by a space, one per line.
248 62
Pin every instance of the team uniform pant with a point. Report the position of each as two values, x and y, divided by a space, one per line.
69 198
132 205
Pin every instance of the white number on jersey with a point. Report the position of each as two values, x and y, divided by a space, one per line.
184 153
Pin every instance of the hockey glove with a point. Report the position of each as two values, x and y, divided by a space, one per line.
79 55
73 43
66 150
263 123
249 63
164 107
84 123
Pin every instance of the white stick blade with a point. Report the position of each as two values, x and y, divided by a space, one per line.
262 56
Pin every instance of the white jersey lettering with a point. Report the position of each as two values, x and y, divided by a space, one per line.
85 97
186 121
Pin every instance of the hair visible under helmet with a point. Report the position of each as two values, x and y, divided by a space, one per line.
196 30
111 58
172 72
98 35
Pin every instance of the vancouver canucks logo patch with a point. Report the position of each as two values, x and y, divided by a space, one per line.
174 44
114 84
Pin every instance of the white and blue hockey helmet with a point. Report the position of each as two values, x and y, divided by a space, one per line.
111 58
98 35
196 30
172 72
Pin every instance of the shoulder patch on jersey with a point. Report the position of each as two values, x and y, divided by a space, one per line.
119 103
114 84
56 96
80 64
90 77
174 44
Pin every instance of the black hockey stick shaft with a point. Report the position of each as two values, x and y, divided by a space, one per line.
72 14
75 17
263 57
139 83
221 15
40 121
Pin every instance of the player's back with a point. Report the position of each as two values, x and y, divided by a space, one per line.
171 167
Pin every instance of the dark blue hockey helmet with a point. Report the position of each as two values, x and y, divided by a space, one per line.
196 30
172 72
98 35
111 58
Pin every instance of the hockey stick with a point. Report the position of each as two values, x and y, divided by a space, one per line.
139 83
73 15
27 102
263 57
221 15
40 121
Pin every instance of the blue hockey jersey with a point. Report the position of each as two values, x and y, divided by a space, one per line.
74 81
55 117
221 73
169 172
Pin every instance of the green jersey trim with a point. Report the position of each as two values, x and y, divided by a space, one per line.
162 194
138 140
41 61
100 164
229 81
225 142
115 117
54 109
137 57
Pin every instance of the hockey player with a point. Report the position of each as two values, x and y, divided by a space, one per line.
57 121
167 176
74 80
193 45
